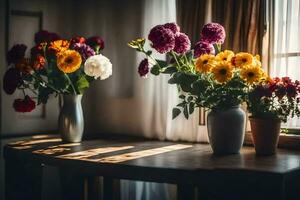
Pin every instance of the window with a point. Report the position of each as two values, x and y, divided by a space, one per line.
285 44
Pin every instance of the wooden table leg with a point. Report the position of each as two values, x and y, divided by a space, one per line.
111 188
23 180
72 184
185 192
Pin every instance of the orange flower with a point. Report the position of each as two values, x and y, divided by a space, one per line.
59 46
69 61
24 65
39 62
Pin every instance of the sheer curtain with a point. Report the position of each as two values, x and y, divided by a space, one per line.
285 51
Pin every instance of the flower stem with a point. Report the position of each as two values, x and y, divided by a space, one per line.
46 83
173 54
72 86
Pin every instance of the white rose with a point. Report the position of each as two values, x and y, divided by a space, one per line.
98 66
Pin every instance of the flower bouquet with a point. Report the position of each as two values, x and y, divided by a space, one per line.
271 102
56 66
206 77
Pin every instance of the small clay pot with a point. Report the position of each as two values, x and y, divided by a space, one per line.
265 135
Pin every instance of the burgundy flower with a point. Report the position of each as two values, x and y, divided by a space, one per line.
291 90
11 80
286 80
45 36
16 53
202 47
36 51
143 69
280 91
182 43
213 33
95 41
173 27
77 39
24 105
84 50
163 39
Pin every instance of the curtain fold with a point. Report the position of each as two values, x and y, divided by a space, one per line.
243 21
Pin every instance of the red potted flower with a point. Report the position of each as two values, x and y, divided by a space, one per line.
270 103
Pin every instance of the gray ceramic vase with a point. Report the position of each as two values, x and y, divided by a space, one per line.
70 121
226 130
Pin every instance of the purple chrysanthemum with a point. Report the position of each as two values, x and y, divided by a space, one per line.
84 50
203 47
182 43
16 53
173 27
143 69
163 39
213 33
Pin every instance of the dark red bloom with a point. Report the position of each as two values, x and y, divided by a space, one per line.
173 27
286 80
16 53
162 39
45 36
291 90
95 42
143 68
280 91
203 47
77 39
24 105
11 80
36 51
182 43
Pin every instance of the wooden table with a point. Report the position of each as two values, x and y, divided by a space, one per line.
188 165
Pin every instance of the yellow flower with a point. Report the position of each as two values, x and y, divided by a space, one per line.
242 59
222 72
225 56
251 74
59 45
204 63
68 61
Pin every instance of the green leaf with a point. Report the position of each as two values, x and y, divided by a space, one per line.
82 84
149 53
181 96
175 112
170 70
162 63
155 70
190 98
191 107
185 81
43 95
186 112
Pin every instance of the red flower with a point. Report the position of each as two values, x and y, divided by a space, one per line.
95 41
11 80
16 53
291 90
286 80
24 105
37 50
45 36
280 91
38 62
77 39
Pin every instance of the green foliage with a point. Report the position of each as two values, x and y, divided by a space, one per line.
82 83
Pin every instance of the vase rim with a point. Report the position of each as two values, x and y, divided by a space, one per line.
231 107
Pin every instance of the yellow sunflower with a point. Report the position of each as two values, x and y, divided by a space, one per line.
204 63
242 59
69 61
222 72
59 46
225 56
251 74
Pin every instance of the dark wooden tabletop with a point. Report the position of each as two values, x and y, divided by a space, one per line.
159 161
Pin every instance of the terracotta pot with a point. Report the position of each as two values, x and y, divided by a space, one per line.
265 135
